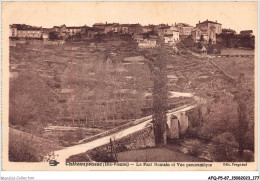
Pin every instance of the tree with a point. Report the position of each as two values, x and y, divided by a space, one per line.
160 93
54 35
229 114
188 42
240 98
140 81
221 117
210 41
32 100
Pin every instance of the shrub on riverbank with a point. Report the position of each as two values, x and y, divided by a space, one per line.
25 147
225 147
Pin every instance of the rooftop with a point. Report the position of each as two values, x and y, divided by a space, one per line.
134 25
25 27
183 25
246 31
164 27
99 24
75 27
207 21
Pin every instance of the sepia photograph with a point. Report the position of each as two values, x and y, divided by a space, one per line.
129 85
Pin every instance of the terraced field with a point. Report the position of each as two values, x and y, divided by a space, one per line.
107 84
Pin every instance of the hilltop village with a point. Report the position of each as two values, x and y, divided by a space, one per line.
205 32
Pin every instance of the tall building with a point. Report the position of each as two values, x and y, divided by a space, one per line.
207 31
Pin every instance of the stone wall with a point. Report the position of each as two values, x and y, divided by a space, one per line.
138 140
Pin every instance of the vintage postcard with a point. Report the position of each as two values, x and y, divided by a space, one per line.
129 86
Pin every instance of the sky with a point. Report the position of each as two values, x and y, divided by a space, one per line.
235 15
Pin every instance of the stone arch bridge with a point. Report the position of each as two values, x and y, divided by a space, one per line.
137 125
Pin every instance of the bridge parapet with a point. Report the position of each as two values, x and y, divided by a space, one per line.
115 134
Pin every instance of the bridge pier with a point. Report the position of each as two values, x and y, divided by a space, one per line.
177 124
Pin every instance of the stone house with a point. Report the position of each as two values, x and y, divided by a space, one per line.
99 26
206 31
147 29
138 38
75 30
176 36
157 27
171 38
108 28
64 31
210 24
46 33
228 31
32 32
56 28
111 28
124 29
246 33
135 29
116 28
61 30
25 31
165 30
205 35
168 38
91 31
184 29
45 36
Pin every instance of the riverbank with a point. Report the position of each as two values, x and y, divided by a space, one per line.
169 153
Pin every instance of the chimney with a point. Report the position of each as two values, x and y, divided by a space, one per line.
207 19
216 21
175 23
199 21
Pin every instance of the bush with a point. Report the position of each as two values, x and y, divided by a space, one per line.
184 52
23 151
249 137
221 116
195 150
188 42
102 154
54 36
83 157
31 100
70 138
80 134
248 156
24 147
214 49
225 147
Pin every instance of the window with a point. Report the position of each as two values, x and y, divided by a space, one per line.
13 32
